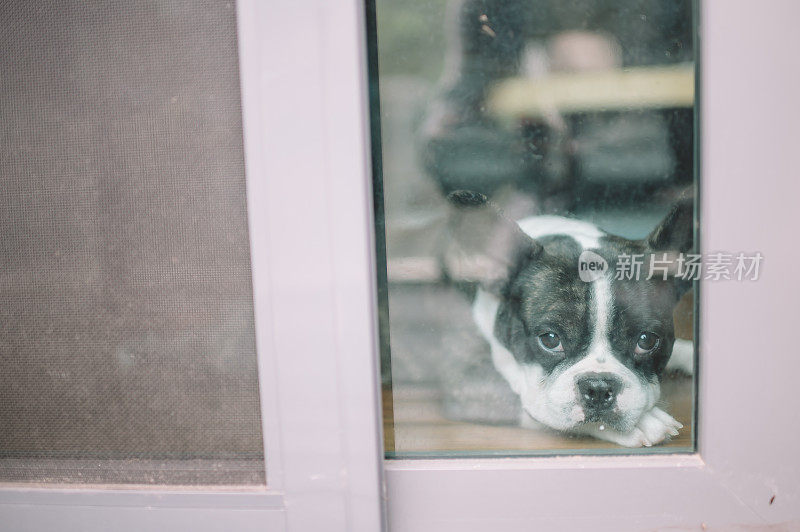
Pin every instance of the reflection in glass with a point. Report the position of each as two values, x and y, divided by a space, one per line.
582 110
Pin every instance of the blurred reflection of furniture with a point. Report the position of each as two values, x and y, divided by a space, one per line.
553 99
624 126
559 132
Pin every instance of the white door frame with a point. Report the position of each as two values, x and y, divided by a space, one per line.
304 97
747 468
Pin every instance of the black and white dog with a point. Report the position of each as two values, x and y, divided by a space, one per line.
584 356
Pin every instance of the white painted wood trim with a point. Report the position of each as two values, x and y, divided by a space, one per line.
309 197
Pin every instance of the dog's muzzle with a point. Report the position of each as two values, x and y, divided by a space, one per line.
597 393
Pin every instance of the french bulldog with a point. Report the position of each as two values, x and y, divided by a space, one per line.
582 346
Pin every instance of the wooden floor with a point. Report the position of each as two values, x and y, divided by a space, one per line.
433 324
415 427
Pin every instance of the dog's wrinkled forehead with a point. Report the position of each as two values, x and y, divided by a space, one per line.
643 297
551 287
549 295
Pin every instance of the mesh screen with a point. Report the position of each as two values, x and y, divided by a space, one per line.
127 351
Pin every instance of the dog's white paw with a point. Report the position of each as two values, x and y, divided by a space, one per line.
654 427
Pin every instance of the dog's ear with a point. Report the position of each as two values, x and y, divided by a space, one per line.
485 246
674 236
675 233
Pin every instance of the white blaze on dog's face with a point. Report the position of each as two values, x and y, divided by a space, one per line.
579 354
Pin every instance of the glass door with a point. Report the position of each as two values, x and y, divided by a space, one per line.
515 138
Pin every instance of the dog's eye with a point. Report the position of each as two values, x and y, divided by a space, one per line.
646 343
550 341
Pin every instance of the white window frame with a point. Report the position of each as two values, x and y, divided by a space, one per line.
747 468
303 72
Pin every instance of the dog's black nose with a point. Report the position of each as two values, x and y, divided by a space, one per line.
598 392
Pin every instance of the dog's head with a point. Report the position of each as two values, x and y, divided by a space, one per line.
578 349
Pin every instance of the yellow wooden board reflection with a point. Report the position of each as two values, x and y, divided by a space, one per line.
632 88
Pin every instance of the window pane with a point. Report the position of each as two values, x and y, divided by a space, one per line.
127 352
534 166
